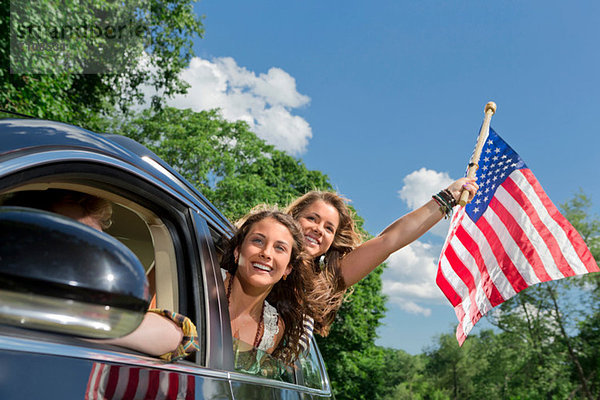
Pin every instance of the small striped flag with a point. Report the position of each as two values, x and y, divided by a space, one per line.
509 237
112 382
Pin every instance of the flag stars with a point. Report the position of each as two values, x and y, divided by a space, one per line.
496 150
495 158
488 151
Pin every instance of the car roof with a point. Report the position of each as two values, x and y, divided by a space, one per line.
26 136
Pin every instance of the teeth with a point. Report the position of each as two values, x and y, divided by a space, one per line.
261 267
312 240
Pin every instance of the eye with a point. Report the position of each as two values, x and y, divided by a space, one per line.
256 240
281 248
330 229
310 218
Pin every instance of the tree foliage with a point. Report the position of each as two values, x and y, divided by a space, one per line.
64 92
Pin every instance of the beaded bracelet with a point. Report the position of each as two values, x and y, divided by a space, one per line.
446 201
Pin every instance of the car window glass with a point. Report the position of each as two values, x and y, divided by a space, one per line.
309 365
250 360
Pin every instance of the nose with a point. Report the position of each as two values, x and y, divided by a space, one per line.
266 252
319 228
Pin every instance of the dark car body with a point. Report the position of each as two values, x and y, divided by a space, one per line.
174 232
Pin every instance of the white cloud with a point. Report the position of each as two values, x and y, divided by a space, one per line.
409 280
265 101
418 188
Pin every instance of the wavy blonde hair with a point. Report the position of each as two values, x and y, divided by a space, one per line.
328 288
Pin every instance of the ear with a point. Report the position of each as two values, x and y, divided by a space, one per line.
288 270
236 254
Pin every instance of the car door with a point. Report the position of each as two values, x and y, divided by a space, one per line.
154 220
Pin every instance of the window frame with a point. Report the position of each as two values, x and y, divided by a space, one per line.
98 178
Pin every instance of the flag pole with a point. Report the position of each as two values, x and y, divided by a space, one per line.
490 109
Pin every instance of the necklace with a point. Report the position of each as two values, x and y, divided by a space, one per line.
261 321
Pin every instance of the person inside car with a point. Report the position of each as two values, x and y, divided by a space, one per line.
161 333
267 274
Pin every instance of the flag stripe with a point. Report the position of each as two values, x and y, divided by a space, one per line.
582 261
457 285
567 237
547 239
132 383
535 234
504 262
481 297
517 244
191 387
113 380
492 293
153 381
466 276
447 289
497 276
173 386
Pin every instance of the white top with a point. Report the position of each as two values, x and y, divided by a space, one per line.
271 328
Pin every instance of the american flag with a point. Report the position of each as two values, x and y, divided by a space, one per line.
509 237
122 382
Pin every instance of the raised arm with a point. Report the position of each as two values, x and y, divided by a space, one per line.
365 258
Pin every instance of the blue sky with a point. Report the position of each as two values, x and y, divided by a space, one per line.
386 98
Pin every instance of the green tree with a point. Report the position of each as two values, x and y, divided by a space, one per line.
228 163
81 98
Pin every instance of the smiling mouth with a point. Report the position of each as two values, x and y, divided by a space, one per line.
262 267
311 240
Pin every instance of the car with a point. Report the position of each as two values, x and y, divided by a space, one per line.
63 284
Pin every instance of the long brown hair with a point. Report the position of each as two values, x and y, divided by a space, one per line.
287 296
328 288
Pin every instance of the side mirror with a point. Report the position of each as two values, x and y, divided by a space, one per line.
59 275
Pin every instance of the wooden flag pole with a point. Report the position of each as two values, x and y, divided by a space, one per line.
490 109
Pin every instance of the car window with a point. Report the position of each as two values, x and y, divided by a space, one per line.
141 231
252 361
310 365
136 224
306 371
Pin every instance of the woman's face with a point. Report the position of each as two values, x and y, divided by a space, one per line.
319 223
264 255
